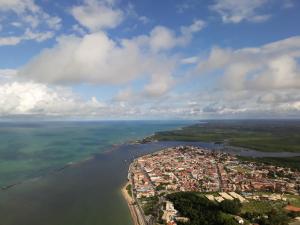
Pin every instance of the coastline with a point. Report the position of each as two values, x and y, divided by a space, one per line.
129 202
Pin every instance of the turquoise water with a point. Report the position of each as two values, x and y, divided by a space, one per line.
31 149
86 192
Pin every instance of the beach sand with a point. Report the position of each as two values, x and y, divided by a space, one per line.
131 207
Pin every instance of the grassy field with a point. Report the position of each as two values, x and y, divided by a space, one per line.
257 207
268 136
293 200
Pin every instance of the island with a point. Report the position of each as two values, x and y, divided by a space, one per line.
192 185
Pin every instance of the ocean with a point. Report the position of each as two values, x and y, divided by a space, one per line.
69 173
33 149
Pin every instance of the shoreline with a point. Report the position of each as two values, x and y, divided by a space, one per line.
129 201
61 168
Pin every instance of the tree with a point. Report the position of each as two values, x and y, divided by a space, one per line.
231 206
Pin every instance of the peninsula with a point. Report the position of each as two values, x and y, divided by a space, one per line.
191 185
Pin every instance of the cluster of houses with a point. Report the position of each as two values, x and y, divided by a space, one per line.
188 168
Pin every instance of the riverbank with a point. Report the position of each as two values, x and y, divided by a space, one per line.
130 203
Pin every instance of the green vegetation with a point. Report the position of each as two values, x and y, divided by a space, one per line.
257 207
291 162
128 188
272 217
200 210
150 205
160 187
293 199
269 213
269 136
232 207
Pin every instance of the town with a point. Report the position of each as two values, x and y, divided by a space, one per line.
220 176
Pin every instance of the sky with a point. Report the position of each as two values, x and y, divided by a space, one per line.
149 59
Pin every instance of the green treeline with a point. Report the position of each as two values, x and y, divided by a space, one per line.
269 136
291 162
202 211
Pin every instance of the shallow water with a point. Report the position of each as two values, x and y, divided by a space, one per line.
34 148
86 193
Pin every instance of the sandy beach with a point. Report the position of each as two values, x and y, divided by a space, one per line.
131 207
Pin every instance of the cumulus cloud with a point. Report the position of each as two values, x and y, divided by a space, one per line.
260 81
229 104
97 59
124 95
269 67
7 73
97 14
36 24
159 85
236 11
94 59
29 98
35 99
162 38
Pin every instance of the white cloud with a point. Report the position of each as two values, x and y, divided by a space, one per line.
34 99
37 36
254 82
8 73
12 40
186 5
269 67
124 95
131 12
28 35
78 29
144 19
97 59
36 24
236 11
28 98
228 104
190 60
196 26
93 58
162 38
19 6
53 22
97 14
159 85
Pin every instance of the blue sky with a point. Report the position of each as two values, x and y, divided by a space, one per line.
150 59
